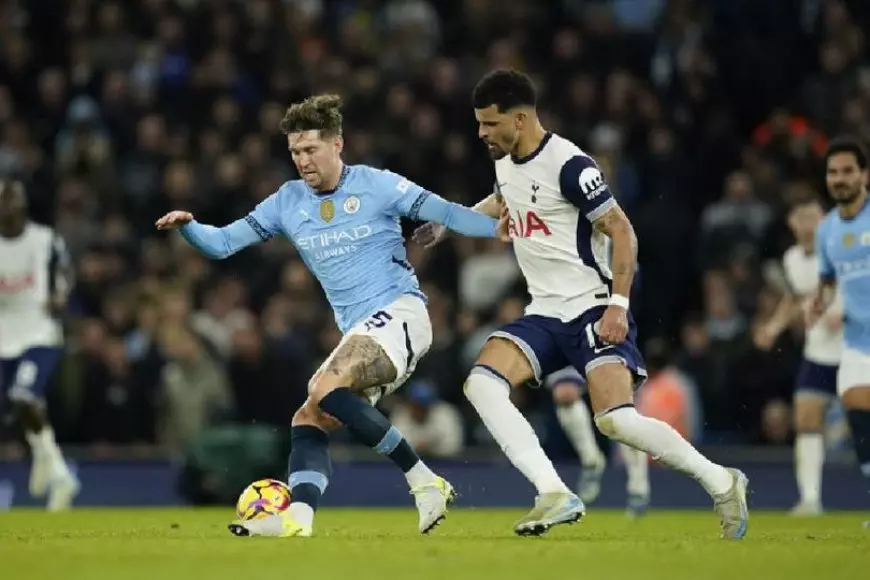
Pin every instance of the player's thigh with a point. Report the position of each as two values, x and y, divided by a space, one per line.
612 371
378 354
523 351
815 386
30 374
853 380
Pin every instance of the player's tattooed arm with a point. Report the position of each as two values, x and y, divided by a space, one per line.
616 225
363 362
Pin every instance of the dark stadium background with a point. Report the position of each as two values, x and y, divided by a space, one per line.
707 116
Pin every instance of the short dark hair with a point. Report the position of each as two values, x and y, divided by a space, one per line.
805 198
317 113
847 145
506 89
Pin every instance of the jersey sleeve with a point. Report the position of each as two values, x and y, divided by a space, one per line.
262 224
583 184
826 266
406 196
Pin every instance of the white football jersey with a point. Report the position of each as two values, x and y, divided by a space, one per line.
822 345
553 196
29 266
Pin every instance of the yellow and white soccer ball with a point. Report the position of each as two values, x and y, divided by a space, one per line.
262 498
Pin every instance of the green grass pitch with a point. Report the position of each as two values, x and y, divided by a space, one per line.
384 545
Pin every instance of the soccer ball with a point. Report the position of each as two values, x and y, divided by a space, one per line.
263 498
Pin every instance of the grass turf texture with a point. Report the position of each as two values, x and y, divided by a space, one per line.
384 544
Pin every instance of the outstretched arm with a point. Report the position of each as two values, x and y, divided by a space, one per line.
220 243
462 220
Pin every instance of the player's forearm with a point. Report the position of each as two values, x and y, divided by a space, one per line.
458 218
624 260
219 243
785 312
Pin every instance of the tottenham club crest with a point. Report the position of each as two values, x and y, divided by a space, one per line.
351 205
327 210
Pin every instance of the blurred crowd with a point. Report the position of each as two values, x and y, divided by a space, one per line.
707 116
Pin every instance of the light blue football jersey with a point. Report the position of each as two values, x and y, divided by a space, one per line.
843 248
350 238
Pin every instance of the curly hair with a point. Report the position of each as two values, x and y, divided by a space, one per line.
316 113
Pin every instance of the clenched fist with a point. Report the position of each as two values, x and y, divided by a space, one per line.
174 220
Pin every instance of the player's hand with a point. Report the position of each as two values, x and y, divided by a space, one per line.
174 220
813 310
613 326
429 234
764 338
502 228
834 323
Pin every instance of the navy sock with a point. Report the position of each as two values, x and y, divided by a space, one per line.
310 466
859 423
370 427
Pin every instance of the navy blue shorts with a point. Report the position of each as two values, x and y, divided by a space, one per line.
816 378
552 345
24 379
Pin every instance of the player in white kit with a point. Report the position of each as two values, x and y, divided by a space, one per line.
816 382
562 217
34 284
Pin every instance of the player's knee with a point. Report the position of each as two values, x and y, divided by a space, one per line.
856 398
310 414
609 422
505 358
809 416
565 394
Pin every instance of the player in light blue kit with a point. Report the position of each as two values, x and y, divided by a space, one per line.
843 247
344 220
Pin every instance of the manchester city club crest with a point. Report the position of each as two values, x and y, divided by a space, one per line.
351 205
849 240
327 210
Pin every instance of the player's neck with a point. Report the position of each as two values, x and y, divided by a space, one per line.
12 231
529 142
850 210
330 186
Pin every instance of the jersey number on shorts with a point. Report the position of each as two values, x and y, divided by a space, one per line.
378 320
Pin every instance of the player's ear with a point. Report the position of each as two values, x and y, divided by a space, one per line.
339 144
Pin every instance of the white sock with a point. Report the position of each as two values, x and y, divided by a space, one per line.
490 396
809 459
637 470
664 444
45 448
577 424
419 475
301 513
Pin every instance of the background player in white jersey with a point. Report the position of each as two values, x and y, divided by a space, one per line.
816 382
345 223
35 281
843 248
568 387
561 216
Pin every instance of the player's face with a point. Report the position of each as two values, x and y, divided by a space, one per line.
844 178
317 158
499 130
13 204
803 221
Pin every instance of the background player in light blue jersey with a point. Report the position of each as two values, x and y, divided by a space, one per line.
843 247
345 222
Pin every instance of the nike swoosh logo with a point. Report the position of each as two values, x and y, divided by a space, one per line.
602 349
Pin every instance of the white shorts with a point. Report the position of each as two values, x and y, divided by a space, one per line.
854 370
403 330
